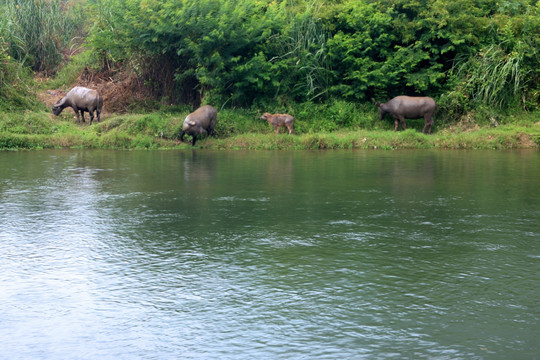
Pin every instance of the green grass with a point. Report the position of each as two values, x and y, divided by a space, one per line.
242 129
505 137
335 125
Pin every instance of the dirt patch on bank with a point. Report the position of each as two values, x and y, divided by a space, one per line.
119 90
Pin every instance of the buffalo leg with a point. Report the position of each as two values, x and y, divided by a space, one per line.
182 136
194 140
77 114
428 125
91 117
402 120
82 115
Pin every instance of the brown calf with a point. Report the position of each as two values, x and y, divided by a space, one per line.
278 120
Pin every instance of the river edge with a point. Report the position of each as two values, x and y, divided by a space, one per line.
40 130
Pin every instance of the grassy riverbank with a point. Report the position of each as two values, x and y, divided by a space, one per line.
312 59
242 129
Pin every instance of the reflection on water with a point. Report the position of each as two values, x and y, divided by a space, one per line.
322 255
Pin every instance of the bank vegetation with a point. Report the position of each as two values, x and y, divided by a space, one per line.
325 62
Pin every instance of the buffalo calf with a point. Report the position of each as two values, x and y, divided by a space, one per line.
279 120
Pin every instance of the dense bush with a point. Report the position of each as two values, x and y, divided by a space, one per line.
228 51
383 49
280 54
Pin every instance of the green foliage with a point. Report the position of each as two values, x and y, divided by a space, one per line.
216 41
238 53
333 115
268 53
359 50
39 32
240 121
300 61
323 61
505 72
16 91
105 36
383 49
68 74
493 77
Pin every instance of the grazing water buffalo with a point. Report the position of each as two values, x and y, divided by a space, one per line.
80 99
203 120
278 120
409 107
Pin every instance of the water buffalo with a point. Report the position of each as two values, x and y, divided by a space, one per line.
278 120
409 107
80 99
203 120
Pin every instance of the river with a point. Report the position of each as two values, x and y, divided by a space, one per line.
269 255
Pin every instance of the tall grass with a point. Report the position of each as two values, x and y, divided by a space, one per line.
493 77
304 45
41 32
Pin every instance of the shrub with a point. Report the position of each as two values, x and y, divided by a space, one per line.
16 92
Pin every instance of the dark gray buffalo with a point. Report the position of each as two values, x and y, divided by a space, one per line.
201 121
80 99
409 107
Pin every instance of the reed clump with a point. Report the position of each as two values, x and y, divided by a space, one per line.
42 32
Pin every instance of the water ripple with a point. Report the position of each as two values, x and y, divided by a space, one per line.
134 255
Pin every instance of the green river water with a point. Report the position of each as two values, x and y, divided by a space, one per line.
269 255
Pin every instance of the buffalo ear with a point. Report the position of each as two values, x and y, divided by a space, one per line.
378 104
